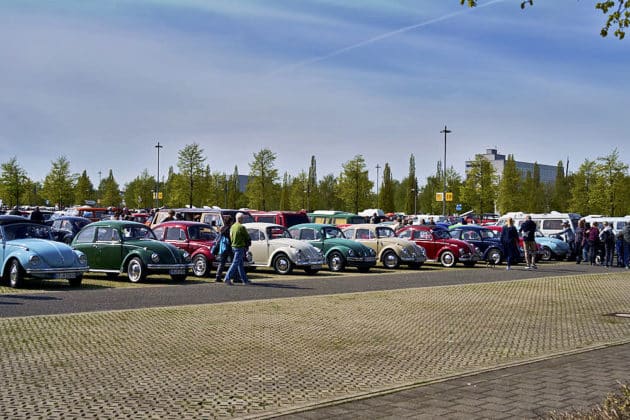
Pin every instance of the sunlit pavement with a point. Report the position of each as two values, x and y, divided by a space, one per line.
285 355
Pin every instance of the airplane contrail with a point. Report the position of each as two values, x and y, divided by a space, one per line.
377 38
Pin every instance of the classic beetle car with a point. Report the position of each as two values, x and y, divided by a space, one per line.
483 238
27 250
440 246
391 251
273 246
117 246
195 238
552 248
338 251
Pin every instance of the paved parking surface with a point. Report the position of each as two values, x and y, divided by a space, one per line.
268 355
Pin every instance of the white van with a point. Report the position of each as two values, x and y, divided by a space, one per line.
548 223
618 222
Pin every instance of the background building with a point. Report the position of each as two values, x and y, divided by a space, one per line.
547 172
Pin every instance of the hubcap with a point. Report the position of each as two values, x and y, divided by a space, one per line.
134 271
335 263
200 266
447 259
282 264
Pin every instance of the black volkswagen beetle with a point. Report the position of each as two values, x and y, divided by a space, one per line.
65 228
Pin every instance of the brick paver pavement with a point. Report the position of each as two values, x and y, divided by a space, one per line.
269 357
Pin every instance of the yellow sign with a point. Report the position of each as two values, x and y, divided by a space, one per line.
439 197
449 196
159 195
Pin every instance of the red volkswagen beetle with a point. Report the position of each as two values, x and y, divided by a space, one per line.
194 237
439 245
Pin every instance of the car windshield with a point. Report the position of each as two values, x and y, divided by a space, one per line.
332 232
441 234
277 232
201 233
137 232
27 230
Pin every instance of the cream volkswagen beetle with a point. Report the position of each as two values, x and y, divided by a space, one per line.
390 250
272 246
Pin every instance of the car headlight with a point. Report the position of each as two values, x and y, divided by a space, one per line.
155 258
186 256
82 259
33 260
350 252
372 252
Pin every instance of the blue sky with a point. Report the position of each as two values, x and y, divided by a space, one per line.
101 82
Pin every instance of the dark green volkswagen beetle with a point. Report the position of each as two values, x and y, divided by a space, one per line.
338 251
116 246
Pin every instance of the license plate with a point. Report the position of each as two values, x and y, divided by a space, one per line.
65 275
316 266
177 271
370 259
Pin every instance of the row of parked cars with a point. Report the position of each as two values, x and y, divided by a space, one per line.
177 247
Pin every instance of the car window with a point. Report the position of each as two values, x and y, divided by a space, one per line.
471 235
86 235
256 235
385 232
159 233
308 234
202 233
107 234
349 233
365 234
333 232
137 232
405 234
425 235
488 233
175 234
442 234
553 224
278 232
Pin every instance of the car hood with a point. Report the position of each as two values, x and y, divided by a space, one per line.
168 253
348 243
52 253
293 243
459 243
397 241
552 242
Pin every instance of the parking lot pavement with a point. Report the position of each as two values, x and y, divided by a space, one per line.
268 357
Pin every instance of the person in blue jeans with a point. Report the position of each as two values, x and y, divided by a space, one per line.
240 244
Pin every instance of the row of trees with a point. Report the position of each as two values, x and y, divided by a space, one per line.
600 186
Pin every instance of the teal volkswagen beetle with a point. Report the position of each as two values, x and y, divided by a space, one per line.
116 246
338 251
27 250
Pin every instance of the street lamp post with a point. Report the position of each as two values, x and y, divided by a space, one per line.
158 146
377 197
445 131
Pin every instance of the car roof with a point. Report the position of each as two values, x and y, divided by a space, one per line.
262 225
10 219
182 223
117 223
311 225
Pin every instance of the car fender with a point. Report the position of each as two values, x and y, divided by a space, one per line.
144 256
290 252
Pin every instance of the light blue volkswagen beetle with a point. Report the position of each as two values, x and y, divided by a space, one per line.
27 250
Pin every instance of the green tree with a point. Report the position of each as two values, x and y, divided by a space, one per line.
139 192
298 192
13 180
561 192
411 186
534 192
510 188
328 197
617 14
355 184
236 199
263 177
478 191
83 189
59 184
387 191
609 185
190 162
311 186
584 181
110 191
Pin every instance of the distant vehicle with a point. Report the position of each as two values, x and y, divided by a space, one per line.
487 240
333 217
27 250
440 246
338 251
618 223
65 228
93 213
213 216
283 218
548 223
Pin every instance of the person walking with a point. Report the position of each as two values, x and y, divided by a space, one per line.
37 216
593 243
626 245
240 243
579 241
607 237
619 249
224 249
509 240
569 238
528 231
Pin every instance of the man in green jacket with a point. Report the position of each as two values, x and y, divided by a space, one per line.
240 244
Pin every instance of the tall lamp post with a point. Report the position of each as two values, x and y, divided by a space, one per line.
158 146
377 197
445 131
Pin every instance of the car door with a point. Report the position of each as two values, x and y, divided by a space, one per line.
424 238
177 236
109 248
259 246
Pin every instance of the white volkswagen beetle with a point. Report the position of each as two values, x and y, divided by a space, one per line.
272 246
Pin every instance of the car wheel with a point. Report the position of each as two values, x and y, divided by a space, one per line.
135 270
200 268
336 262
76 282
494 256
390 259
16 274
447 259
311 271
547 254
282 264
